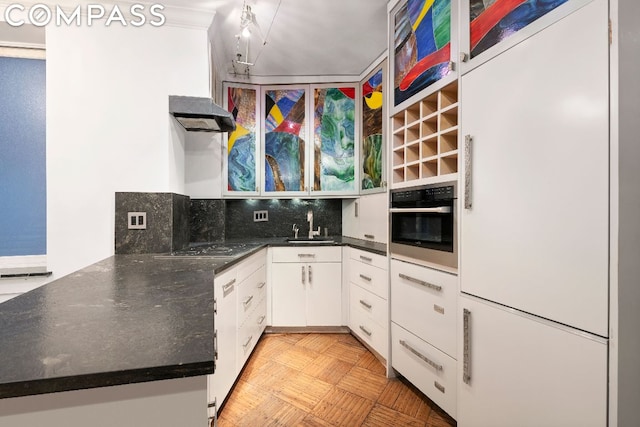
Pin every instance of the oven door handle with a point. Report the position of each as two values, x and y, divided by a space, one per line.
439 209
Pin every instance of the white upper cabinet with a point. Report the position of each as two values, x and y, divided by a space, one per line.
535 236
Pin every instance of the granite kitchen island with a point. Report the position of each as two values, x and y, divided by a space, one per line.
127 341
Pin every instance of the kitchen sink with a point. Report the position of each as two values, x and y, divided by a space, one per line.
312 241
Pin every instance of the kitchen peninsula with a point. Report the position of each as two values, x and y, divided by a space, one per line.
100 335
126 341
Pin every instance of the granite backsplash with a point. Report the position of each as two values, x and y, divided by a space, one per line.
168 220
218 220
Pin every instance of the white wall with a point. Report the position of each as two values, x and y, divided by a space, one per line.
108 127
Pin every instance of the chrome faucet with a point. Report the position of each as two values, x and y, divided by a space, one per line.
312 232
295 231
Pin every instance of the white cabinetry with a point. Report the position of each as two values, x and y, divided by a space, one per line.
525 371
374 217
536 236
306 286
423 330
240 313
366 218
252 308
368 299
219 384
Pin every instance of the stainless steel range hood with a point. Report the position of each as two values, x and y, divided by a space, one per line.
200 114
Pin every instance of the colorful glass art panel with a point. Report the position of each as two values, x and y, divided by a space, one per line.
492 21
372 101
284 140
334 139
422 46
241 145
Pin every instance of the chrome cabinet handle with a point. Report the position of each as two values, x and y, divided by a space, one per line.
310 275
247 301
248 341
369 236
228 286
430 362
261 320
466 346
468 139
363 277
303 277
307 255
366 304
365 330
215 306
438 386
438 309
440 209
420 282
261 285
215 344
366 258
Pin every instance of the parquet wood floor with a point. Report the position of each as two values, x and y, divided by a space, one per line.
323 380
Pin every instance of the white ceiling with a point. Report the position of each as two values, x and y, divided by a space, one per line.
303 37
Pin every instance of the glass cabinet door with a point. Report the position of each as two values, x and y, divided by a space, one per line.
285 150
334 130
240 165
372 91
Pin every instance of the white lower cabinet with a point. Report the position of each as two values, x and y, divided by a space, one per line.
306 286
429 369
368 299
240 313
423 330
219 384
523 371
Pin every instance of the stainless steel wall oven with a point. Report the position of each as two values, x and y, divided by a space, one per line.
423 224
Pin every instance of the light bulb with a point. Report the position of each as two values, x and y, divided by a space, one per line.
246 33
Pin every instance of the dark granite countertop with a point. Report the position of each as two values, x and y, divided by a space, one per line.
126 319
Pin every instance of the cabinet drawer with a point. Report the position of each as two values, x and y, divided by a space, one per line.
307 254
250 292
426 367
369 277
251 264
423 301
369 305
247 339
369 331
368 258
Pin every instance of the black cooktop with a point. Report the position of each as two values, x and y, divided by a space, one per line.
214 250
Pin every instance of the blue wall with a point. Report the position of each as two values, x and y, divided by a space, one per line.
23 226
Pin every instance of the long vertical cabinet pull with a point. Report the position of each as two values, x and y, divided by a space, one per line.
466 351
303 278
310 276
468 139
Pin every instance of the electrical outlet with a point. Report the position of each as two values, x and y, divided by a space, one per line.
260 216
137 220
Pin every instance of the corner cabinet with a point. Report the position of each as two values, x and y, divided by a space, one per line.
306 286
310 140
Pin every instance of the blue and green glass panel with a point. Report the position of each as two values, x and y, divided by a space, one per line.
372 101
334 139
241 145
